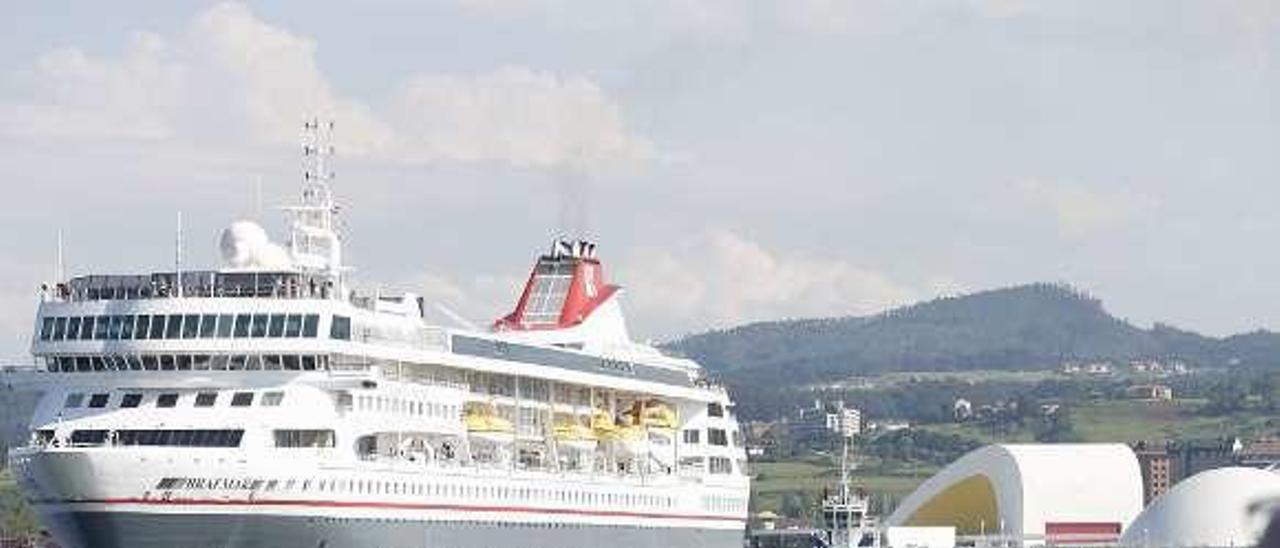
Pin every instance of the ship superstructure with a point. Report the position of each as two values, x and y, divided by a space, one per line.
268 403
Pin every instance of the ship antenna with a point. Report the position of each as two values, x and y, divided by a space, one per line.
314 242
60 266
177 258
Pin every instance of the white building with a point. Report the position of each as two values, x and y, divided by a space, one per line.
1066 493
845 421
1208 509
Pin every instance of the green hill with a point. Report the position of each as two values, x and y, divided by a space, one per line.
1035 326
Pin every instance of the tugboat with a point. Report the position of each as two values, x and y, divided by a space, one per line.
845 516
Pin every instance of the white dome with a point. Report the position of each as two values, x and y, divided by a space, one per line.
246 246
1208 509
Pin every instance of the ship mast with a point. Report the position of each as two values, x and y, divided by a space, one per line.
314 242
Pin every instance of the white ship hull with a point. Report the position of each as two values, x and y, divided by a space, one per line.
109 499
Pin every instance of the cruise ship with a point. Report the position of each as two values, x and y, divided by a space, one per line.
268 403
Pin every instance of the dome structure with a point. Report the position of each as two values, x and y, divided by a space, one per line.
246 246
1065 492
1211 508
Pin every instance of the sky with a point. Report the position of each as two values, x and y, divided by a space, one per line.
735 160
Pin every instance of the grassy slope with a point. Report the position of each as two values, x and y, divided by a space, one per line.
1129 421
774 480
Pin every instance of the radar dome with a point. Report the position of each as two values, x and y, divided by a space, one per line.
246 246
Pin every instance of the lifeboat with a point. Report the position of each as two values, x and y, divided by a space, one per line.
602 424
575 435
483 419
653 414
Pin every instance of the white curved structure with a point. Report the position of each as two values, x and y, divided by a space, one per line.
1208 509
1065 491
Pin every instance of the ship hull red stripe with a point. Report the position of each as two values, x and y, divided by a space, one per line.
403 506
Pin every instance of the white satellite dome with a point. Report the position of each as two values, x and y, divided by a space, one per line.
1208 509
246 246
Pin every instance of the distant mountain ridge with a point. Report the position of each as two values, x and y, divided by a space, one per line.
1035 326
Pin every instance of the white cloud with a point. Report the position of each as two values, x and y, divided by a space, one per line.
269 78
516 115
1081 211
76 95
721 279
279 81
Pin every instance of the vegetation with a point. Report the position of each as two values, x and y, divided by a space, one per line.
1028 327
794 488
16 518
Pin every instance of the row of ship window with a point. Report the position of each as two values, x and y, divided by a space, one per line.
77 400
187 362
210 438
372 487
182 326
379 404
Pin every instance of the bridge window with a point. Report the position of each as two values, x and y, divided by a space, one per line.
98 401
150 363
113 327
173 329
208 325
73 328
242 326
166 361
126 327
46 329
131 401
304 438
206 399
190 326
276 328
242 399
167 401
101 328
157 327
141 326
73 401
293 326
259 329
310 325
340 328
225 323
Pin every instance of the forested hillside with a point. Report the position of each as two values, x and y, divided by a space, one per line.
1036 326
